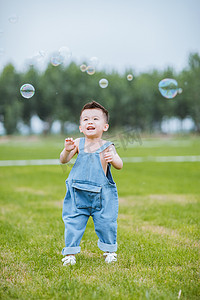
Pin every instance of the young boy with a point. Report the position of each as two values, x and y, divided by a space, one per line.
91 190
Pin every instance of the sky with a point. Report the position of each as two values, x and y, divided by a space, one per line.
139 35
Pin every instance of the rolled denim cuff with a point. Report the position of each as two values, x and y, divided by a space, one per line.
71 250
107 247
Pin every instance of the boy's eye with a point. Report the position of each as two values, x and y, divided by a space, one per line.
85 119
95 118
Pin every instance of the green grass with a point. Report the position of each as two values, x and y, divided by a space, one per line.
158 228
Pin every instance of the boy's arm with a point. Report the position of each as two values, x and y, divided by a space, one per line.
112 157
70 149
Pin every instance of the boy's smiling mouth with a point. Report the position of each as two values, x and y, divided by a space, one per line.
90 128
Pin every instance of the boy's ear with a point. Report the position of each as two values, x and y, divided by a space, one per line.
80 129
106 126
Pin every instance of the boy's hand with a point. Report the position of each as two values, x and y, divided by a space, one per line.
69 144
109 155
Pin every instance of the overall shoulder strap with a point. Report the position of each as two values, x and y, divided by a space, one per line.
103 147
81 144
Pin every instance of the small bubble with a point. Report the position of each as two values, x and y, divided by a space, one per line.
180 90
37 58
83 68
13 19
41 53
56 59
90 70
27 90
129 77
103 83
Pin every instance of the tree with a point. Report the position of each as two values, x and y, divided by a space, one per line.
192 89
10 98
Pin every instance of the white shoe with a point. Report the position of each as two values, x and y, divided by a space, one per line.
69 260
110 257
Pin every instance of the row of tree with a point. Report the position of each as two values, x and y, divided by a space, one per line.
60 93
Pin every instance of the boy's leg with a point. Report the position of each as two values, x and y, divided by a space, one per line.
74 229
106 230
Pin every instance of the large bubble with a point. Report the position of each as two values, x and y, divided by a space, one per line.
168 88
27 90
103 83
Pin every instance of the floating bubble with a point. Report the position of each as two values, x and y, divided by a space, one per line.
83 68
27 90
37 58
60 56
41 53
168 88
90 70
129 77
13 19
93 61
103 83
56 59
180 90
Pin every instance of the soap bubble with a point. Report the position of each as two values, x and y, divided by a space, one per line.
168 88
13 19
103 83
180 90
60 56
90 70
56 59
27 90
41 53
83 68
37 58
129 77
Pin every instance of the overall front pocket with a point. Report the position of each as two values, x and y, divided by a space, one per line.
87 194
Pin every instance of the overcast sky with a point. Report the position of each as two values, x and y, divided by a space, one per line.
141 35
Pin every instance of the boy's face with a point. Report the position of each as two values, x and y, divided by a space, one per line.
93 123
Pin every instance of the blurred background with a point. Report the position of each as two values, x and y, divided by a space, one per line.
63 49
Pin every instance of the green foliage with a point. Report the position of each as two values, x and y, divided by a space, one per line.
62 91
10 105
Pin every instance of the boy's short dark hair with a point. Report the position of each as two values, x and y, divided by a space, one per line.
94 104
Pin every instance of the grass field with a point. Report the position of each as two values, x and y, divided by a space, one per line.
158 226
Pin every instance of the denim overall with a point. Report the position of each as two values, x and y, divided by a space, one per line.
90 193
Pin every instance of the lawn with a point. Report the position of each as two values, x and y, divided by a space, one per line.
158 226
